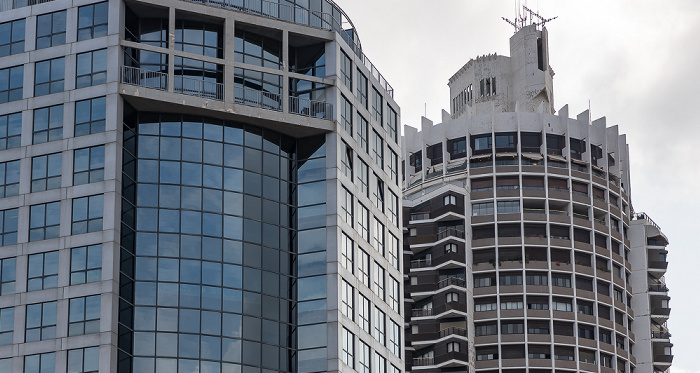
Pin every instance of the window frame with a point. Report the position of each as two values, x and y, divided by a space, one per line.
51 177
13 41
15 87
96 122
90 273
53 225
9 178
96 30
96 77
46 325
82 320
56 76
53 130
96 170
46 275
95 201
54 37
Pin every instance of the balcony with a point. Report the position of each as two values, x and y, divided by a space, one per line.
14 4
421 312
456 281
453 330
310 108
660 335
663 359
450 232
144 78
423 361
199 88
256 98
421 263
658 288
456 358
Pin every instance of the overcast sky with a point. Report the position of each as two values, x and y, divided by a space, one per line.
637 61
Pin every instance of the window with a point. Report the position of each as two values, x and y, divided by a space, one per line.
12 37
87 214
90 116
605 336
561 305
393 246
8 274
452 297
346 161
9 179
346 114
585 308
347 204
482 142
378 149
484 281
88 165
363 269
41 322
379 326
378 195
43 271
379 363
395 339
450 248
92 21
48 124
84 360
362 92
511 305
84 315
393 208
378 236
363 178
348 348
50 29
7 326
363 313
11 84
348 300
512 328
48 76
488 329
506 140
394 294
377 106
482 209
363 221
563 281
43 363
507 280
346 70
484 307
91 68
364 359
536 279
378 280
587 333
347 247
363 133
257 50
46 172
86 264
508 207
393 124
453 347
44 221
449 200
200 38
393 167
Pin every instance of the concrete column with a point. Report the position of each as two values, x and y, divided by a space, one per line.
229 57
171 47
285 69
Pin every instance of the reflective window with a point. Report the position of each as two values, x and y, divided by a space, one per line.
363 267
199 38
91 68
40 322
347 300
393 125
346 161
393 208
363 177
379 363
199 78
84 315
363 313
44 221
48 124
46 172
50 29
378 149
308 60
379 326
9 179
49 76
254 88
377 106
362 92
363 133
146 27
7 327
11 83
87 214
90 116
84 360
346 70
257 50
12 37
42 363
378 193
42 272
348 355
8 274
394 294
364 359
378 278
92 21
347 207
88 165
378 236
347 253
346 114
363 221
86 264
393 247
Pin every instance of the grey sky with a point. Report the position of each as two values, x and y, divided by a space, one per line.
637 63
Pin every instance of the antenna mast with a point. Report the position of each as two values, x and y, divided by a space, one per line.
527 17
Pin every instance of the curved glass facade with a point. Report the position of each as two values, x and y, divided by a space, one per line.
211 249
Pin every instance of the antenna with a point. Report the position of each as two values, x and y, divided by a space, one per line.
527 17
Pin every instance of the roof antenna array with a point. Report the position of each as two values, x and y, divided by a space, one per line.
528 17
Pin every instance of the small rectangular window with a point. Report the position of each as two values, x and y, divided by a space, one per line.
41 363
12 37
363 177
378 149
348 300
7 326
49 76
377 106
379 326
348 355
363 267
44 221
347 253
40 323
363 133
346 114
42 272
205 39
84 360
84 315
362 90
91 68
90 116
378 194
379 281
393 125
87 214
346 70
89 165
11 84
92 21
48 124
363 313
86 264
347 160
9 179
8 274
347 207
50 29
46 172
393 166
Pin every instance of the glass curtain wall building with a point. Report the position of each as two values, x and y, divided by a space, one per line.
194 186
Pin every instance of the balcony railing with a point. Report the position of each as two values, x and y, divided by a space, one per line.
14 4
310 108
453 330
658 288
452 281
144 78
423 361
660 335
257 98
419 216
421 312
199 88
421 263
450 232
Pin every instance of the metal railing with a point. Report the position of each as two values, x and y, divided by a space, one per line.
199 88
144 78
421 312
450 232
453 330
452 281
301 16
257 98
310 108
660 335
14 4
423 361
419 216
658 288
421 263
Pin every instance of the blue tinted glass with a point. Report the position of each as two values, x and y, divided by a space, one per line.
311 288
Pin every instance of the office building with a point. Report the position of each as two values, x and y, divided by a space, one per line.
195 186
523 252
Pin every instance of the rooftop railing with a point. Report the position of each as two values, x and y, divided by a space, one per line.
14 4
199 88
257 98
310 108
144 78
